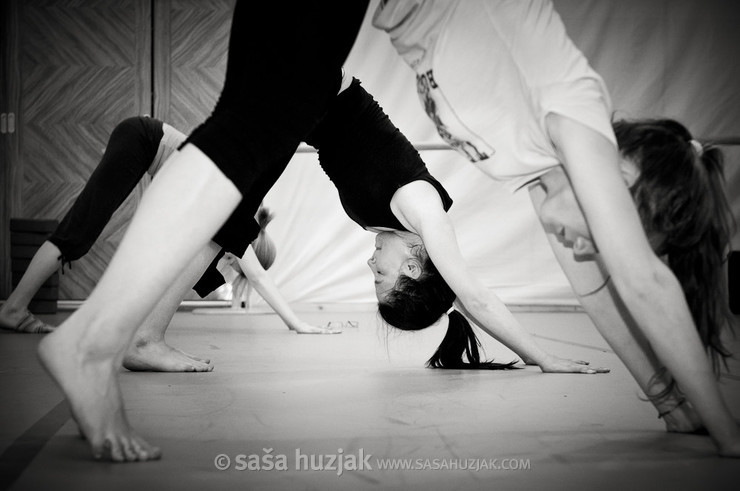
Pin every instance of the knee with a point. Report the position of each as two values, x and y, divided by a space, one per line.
70 250
129 127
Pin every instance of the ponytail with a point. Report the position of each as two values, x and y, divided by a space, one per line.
415 304
264 247
699 267
681 200
460 340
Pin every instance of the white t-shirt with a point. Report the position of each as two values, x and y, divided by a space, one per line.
489 71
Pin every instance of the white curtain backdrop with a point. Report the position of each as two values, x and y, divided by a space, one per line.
672 58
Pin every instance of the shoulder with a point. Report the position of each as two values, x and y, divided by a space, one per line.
417 203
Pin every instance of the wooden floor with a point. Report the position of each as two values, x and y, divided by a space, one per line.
363 396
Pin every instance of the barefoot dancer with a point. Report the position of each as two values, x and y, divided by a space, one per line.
137 146
385 187
262 115
546 107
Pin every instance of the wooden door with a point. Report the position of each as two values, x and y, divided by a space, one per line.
80 67
191 40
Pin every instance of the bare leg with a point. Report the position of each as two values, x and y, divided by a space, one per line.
149 351
238 286
179 213
598 297
44 263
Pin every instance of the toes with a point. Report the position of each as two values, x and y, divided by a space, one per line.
205 361
109 451
45 328
129 450
145 451
203 368
169 360
199 366
154 453
126 449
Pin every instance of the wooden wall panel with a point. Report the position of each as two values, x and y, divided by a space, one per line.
84 66
191 40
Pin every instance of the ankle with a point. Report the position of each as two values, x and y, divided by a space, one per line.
9 310
667 412
142 341
663 392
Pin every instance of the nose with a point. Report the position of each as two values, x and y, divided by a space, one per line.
546 216
371 262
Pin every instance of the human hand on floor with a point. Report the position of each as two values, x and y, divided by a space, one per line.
306 328
554 364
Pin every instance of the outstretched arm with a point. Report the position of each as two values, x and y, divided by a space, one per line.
419 208
650 291
250 266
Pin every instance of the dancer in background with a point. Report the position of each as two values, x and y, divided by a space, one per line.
138 146
385 187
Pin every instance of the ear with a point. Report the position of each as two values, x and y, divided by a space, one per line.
411 268
630 171
583 246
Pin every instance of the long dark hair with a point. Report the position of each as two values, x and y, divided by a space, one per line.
681 200
415 304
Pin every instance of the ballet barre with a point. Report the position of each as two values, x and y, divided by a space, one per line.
727 141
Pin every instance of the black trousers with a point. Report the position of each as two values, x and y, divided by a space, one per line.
131 149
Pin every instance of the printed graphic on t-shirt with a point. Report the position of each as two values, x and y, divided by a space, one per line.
450 128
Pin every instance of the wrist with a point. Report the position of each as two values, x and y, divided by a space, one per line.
542 359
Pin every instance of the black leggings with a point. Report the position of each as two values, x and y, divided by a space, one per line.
284 67
131 149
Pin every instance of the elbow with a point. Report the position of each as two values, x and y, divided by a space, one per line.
642 284
478 304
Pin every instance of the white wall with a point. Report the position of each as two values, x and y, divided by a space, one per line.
672 58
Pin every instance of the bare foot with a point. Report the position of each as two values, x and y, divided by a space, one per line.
158 356
92 390
23 321
731 450
672 406
683 419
